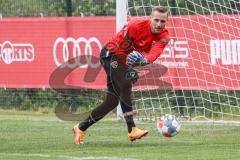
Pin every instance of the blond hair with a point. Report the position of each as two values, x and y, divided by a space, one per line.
160 9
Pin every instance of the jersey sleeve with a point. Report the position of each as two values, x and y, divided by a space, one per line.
130 31
158 47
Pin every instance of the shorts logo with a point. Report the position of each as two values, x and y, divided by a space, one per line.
114 64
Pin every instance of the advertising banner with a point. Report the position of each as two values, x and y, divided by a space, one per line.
202 54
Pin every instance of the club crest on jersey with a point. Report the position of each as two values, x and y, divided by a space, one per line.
114 64
142 43
153 42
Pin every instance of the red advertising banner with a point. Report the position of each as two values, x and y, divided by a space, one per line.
203 54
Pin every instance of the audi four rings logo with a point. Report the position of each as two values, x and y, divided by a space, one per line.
10 52
66 49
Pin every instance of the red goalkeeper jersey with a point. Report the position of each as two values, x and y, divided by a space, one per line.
136 35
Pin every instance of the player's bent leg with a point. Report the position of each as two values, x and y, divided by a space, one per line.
137 133
98 113
78 135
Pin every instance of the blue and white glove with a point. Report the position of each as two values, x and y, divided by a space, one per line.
136 59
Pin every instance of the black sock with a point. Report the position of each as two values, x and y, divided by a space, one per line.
83 126
130 122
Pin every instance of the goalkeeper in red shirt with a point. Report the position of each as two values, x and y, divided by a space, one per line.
139 43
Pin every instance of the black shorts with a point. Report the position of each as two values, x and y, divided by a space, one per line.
117 83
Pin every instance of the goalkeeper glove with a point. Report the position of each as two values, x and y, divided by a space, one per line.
136 59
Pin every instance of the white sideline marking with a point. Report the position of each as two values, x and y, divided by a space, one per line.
25 155
65 157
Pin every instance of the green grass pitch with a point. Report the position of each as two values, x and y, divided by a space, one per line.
41 137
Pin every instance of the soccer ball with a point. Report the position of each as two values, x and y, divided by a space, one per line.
168 125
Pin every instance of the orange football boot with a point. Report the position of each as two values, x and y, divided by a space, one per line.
137 133
78 135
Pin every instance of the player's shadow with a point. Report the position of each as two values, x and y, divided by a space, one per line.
123 144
